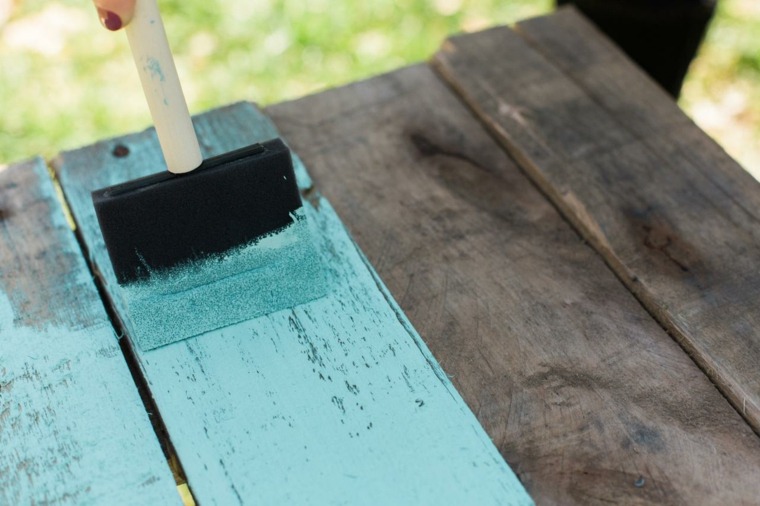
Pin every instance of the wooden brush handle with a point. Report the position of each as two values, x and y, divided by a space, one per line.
150 49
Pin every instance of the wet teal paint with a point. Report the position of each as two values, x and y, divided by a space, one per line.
334 401
276 272
72 427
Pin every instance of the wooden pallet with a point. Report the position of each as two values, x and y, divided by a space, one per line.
549 266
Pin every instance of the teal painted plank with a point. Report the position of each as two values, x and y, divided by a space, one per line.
337 401
72 427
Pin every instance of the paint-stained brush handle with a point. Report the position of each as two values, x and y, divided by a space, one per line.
150 49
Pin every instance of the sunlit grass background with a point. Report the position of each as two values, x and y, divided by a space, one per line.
65 81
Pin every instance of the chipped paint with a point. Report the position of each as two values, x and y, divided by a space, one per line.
68 404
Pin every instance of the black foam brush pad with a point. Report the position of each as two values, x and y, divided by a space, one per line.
164 220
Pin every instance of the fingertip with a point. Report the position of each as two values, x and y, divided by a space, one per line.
110 19
115 14
127 13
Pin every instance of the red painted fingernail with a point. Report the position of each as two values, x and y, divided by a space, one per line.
110 20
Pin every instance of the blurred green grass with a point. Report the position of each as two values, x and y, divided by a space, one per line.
65 81
722 90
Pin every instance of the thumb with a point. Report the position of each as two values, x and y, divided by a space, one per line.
115 14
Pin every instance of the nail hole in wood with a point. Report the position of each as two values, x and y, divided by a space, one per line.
120 151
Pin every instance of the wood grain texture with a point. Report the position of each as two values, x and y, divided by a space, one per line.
584 394
670 212
570 42
72 427
337 401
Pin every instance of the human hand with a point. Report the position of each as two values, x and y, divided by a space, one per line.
115 14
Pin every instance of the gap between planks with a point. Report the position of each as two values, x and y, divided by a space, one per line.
140 382
68 402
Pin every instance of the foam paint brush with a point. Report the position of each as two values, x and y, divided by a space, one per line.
207 243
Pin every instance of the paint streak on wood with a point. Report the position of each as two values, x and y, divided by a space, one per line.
72 427
584 394
337 401
668 210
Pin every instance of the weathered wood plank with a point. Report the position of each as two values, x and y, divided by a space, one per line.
335 402
669 212
72 427
593 62
584 394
